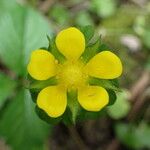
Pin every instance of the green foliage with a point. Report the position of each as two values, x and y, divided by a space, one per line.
20 126
60 19
22 25
6 88
146 38
22 30
121 107
104 8
136 137
83 18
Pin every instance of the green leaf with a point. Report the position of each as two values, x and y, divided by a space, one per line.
107 84
136 137
146 38
20 126
125 133
6 87
73 104
22 30
104 8
55 14
83 18
121 107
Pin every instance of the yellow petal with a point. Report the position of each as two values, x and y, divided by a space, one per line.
52 100
93 98
71 43
105 65
42 65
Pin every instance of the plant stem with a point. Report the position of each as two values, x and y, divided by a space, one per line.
77 139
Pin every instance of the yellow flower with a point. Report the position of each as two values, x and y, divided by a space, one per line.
72 74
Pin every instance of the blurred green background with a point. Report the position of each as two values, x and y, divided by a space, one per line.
124 25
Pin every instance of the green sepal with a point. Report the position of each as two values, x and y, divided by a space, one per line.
34 93
43 115
73 104
103 47
67 117
36 84
90 51
112 97
44 48
86 115
53 49
88 32
107 84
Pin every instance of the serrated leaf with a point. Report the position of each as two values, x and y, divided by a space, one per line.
6 87
20 126
22 30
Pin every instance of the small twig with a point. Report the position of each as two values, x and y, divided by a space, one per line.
138 88
138 105
77 139
45 6
80 6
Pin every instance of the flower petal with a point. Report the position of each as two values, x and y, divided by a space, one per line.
52 100
42 65
104 65
71 43
93 98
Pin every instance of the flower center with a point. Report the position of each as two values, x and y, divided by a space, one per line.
71 75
